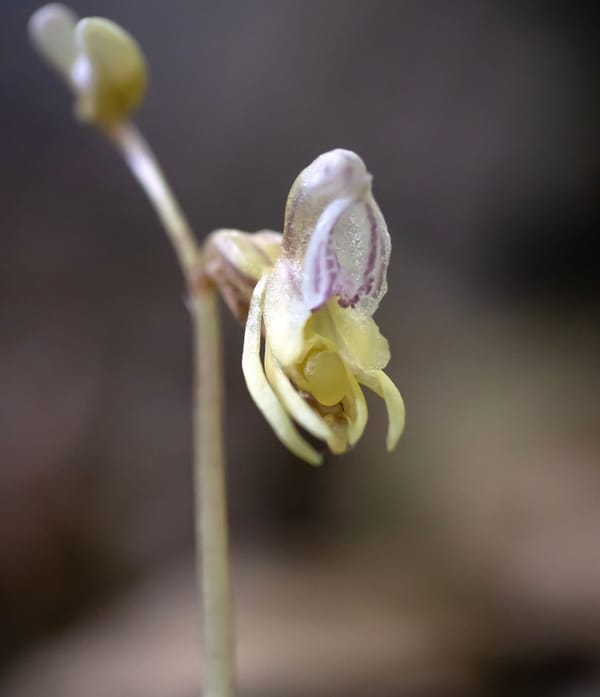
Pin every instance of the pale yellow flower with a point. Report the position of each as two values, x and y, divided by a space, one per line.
314 306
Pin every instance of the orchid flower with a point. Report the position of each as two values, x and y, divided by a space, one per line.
313 301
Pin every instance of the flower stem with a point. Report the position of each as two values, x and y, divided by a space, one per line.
145 168
209 451
211 511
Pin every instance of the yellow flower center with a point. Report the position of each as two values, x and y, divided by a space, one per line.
325 374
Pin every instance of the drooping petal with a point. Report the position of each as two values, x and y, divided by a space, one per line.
258 386
338 441
297 407
355 406
381 384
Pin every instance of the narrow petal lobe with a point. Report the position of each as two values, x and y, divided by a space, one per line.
381 384
260 390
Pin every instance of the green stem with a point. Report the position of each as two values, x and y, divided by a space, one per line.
209 450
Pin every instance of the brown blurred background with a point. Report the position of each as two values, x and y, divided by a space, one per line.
465 563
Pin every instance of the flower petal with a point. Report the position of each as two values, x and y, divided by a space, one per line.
250 254
321 265
381 384
357 337
236 260
284 314
335 174
260 390
338 441
355 406
348 255
297 407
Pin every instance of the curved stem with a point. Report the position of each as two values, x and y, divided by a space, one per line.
209 450
145 168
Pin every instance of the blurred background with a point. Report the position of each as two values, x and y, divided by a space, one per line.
467 563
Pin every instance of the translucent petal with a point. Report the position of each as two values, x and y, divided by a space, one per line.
335 174
381 384
321 265
335 245
260 390
297 407
348 255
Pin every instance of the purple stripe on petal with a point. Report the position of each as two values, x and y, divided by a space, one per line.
378 251
351 297
374 238
317 271
380 277
363 274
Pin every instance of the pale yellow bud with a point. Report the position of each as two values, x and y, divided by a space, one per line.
109 73
99 60
52 32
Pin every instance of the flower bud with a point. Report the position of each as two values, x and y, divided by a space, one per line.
235 262
99 60
52 32
109 73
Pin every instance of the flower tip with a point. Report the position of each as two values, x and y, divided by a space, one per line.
52 33
316 460
397 421
337 172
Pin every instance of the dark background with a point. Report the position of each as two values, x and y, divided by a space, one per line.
465 563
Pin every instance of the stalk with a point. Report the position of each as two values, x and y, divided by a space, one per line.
209 450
